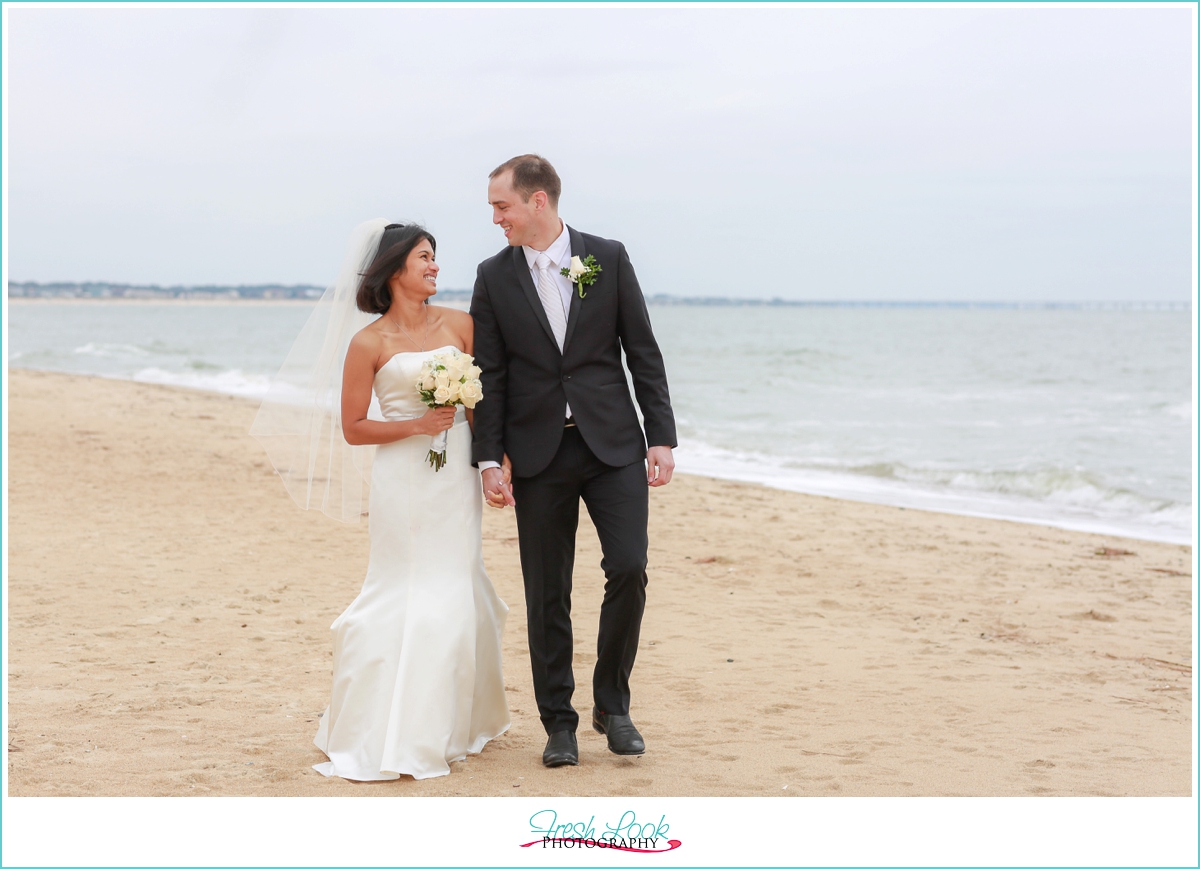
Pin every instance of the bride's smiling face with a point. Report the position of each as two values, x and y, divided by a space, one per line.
419 276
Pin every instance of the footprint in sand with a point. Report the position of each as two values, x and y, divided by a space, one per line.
1091 615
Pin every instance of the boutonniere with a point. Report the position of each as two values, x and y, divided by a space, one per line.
582 272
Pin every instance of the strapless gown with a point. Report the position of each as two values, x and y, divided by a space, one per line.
417 679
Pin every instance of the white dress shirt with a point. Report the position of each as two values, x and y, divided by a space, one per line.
559 252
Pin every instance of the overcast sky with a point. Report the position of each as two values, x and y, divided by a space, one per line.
809 153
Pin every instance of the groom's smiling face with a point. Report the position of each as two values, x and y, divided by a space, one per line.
520 219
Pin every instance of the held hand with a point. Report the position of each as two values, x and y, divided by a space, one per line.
659 465
496 489
436 420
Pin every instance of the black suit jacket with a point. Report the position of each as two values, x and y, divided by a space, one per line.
527 382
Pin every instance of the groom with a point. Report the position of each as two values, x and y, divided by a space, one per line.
557 402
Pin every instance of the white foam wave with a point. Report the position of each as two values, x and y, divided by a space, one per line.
110 351
1061 500
232 382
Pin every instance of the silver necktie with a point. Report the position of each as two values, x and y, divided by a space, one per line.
551 299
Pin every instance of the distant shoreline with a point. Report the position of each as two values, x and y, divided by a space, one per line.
451 302
122 300
460 298
87 300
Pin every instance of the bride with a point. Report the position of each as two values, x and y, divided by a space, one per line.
417 680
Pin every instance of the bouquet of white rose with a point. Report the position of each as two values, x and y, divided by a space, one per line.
447 379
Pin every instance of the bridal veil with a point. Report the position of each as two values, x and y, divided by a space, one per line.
299 422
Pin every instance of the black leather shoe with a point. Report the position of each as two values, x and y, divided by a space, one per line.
623 737
561 749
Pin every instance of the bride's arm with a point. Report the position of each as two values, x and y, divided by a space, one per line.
358 375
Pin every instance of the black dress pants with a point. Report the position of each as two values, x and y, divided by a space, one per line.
617 499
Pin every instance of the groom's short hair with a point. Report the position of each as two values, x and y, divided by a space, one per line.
531 173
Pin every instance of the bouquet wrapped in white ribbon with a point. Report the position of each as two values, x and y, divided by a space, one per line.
448 379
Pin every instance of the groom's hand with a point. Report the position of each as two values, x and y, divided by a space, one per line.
659 465
497 489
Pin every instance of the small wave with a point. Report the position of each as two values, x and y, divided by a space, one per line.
1060 498
231 382
1078 488
110 351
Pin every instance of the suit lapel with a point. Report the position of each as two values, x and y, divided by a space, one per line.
577 249
531 293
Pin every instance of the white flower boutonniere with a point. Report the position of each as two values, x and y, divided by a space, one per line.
582 272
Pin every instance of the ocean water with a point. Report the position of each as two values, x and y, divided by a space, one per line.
1071 417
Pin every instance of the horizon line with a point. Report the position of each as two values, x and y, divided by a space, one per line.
101 290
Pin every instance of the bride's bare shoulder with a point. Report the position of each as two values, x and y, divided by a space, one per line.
456 319
452 314
367 339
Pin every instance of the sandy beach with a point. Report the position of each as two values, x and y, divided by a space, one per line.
169 610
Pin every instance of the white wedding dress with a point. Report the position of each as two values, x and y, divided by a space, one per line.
417 679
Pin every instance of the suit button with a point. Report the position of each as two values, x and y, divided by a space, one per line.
566 377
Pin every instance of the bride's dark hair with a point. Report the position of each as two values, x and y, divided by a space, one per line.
398 241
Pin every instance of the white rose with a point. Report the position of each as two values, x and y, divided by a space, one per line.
428 382
471 393
473 372
442 394
577 268
441 379
454 388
